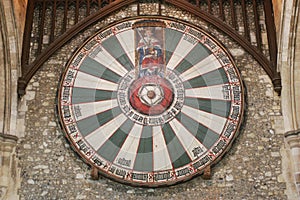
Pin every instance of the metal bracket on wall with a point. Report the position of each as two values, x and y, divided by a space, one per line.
94 173
207 173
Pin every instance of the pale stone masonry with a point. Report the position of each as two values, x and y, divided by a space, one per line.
9 171
292 139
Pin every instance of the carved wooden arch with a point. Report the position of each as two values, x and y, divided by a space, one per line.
28 70
268 65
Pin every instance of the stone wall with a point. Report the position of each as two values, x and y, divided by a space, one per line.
9 173
288 64
250 170
9 69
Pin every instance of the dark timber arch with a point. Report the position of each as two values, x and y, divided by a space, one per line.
202 9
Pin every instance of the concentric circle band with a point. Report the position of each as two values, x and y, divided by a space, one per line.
165 106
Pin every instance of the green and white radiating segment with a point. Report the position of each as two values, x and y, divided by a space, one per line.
136 148
197 67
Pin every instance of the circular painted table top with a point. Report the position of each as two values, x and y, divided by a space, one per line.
151 102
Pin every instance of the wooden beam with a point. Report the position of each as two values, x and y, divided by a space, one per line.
28 70
233 15
53 22
272 41
64 38
257 26
221 10
64 28
245 21
27 34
